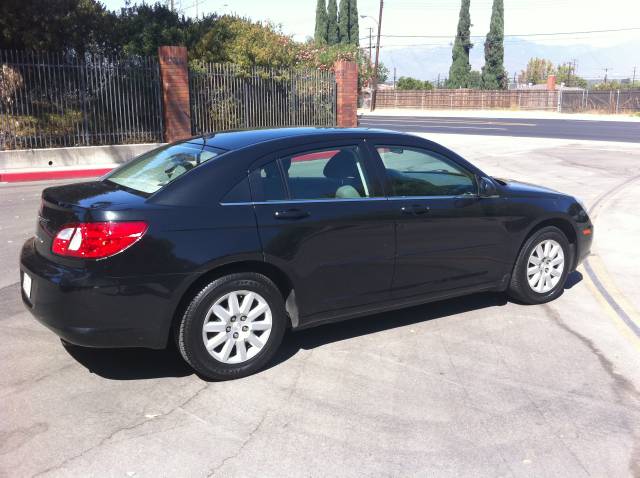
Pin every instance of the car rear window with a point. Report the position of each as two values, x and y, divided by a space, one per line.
157 168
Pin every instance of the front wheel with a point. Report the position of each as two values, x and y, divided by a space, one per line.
542 267
232 327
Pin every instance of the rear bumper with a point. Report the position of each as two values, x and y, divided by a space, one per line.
96 311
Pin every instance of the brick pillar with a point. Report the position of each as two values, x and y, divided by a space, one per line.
347 93
174 76
551 82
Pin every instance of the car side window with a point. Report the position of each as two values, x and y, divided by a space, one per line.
419 172
331 173
267 184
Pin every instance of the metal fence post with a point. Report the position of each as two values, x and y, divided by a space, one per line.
586 100
560 100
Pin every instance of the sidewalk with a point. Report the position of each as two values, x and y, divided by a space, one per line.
508 114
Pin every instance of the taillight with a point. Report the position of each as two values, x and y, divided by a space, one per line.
97 240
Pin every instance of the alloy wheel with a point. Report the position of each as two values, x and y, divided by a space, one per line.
545 266
237 326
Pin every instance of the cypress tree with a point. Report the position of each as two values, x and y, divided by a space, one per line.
343 22
348 22
333 35
494 75
354 28
460 66
320 35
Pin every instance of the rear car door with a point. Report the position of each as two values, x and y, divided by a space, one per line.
447 236
322 218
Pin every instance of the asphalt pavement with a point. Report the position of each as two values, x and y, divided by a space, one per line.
522 127
476 386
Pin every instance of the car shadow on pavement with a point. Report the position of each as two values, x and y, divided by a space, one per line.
131 364
326 334
318 336
135 364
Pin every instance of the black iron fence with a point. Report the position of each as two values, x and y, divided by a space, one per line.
226 96
51 100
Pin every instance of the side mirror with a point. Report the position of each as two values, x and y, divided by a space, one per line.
486 188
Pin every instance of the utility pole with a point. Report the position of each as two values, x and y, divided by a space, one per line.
606 70
196 4
375 67
438 84
394 77
572 69
633 82
370 36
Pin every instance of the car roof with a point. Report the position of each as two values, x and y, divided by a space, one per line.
232 140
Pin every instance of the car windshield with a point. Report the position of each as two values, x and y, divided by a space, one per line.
157 168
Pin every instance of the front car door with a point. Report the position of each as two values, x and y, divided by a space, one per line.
323 219
447 236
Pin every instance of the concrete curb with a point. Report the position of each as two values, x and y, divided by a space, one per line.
51 174
78 157
66 163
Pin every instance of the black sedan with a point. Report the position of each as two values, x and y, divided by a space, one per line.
223 241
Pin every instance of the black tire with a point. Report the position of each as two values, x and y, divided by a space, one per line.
189 332
519 288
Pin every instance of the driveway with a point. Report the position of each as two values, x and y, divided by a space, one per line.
477 386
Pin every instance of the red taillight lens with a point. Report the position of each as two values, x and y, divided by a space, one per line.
97 240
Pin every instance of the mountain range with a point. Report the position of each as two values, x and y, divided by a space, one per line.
427 62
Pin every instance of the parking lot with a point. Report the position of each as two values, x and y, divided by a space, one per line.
477 386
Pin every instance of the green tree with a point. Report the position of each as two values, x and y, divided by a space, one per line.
142 28
408 83
460 66
566 74
246 44
333 35
383 72
475 80
320 36
55 25
494 76
348 22
537 71
354 27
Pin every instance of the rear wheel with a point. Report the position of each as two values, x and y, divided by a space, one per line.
542 267
232 327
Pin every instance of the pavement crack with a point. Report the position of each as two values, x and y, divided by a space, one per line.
292 390
109 437
244 444
621 382
623 388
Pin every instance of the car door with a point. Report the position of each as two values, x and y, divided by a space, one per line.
447 236
323 219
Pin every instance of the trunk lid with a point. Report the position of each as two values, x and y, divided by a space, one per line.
80 202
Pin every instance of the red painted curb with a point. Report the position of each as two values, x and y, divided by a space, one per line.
53 174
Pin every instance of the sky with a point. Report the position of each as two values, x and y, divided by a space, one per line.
438 18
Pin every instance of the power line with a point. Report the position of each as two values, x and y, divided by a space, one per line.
521 34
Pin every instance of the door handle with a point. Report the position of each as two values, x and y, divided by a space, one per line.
415 209
292 214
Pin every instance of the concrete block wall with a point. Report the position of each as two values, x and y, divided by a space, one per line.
74 157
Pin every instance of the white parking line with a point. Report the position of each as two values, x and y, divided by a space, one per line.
444 127
443 120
